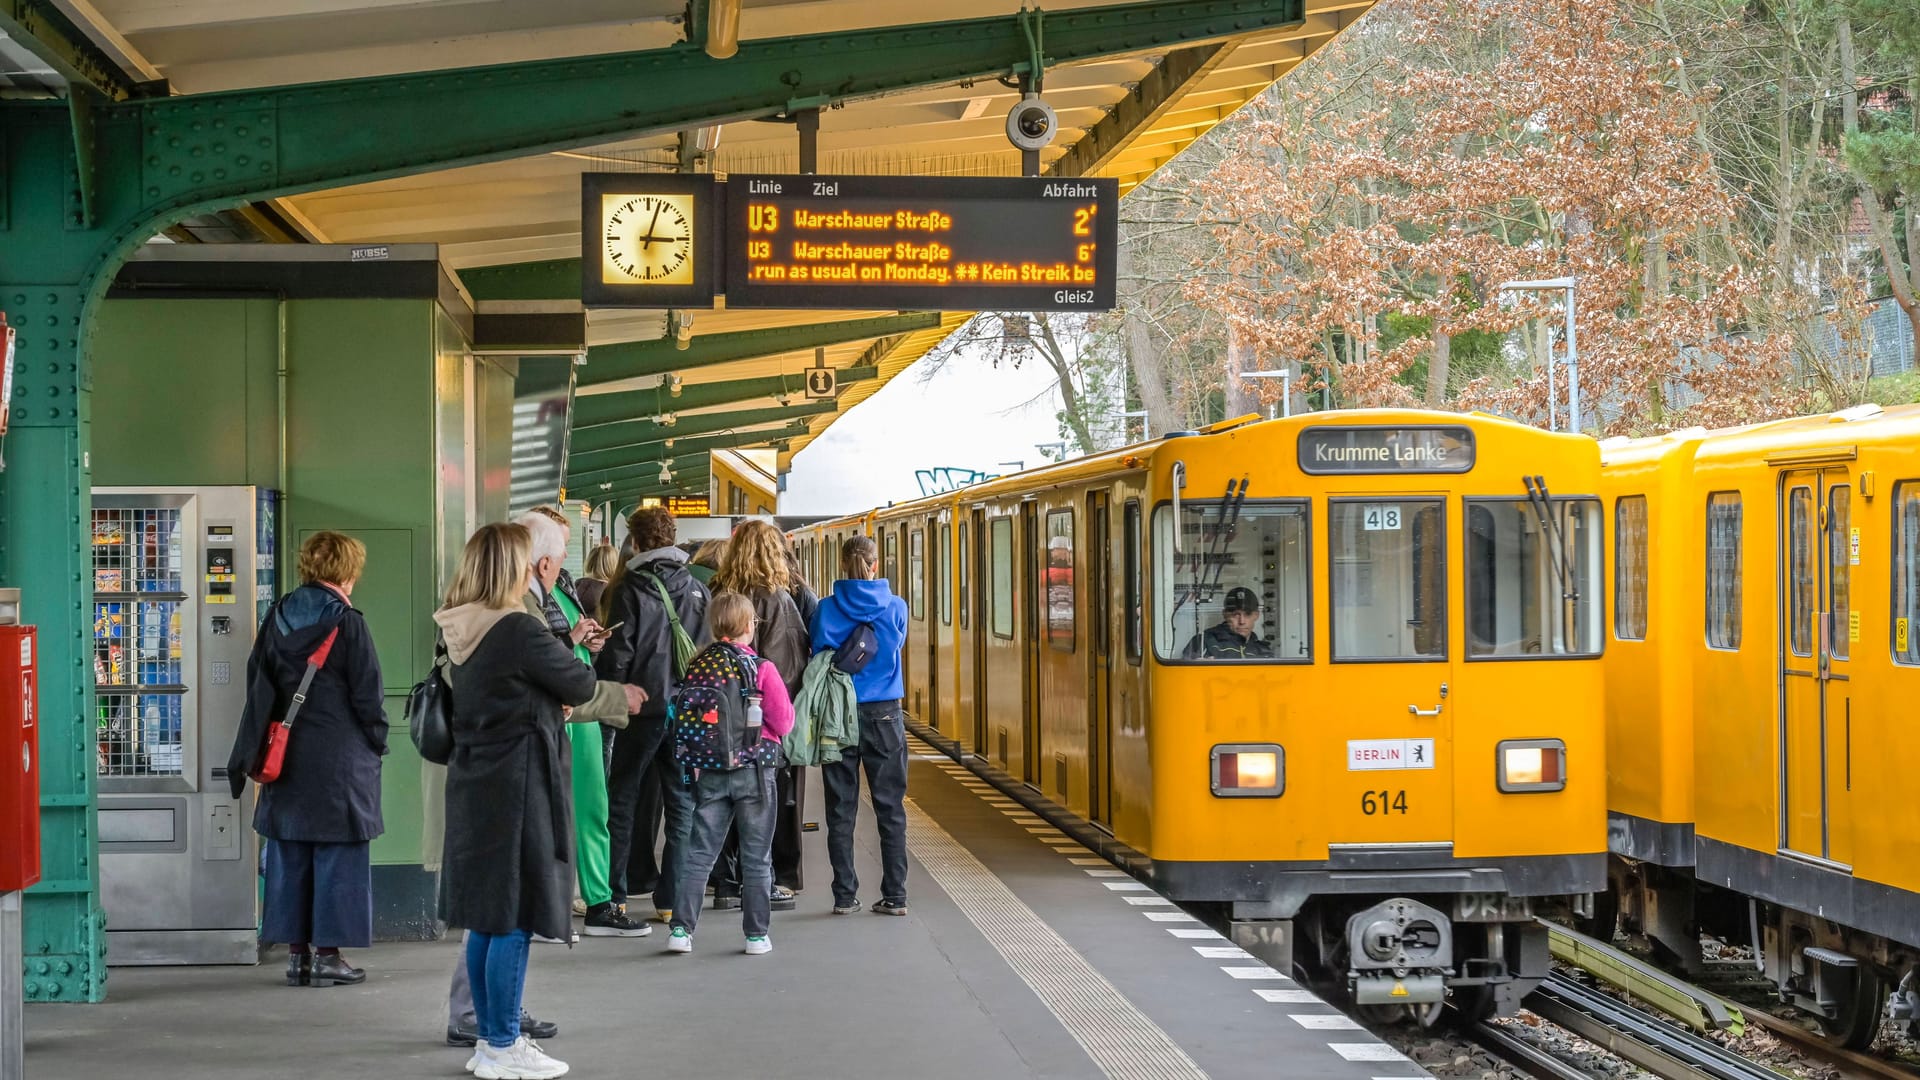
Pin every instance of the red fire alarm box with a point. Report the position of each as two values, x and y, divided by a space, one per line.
19 760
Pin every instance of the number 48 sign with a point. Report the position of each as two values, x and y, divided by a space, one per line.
1380 517
821 383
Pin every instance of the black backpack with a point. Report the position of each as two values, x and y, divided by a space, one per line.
710 712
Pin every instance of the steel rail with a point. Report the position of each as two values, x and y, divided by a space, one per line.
1524 1055
1661 1048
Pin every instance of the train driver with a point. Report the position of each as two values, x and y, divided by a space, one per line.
1236 636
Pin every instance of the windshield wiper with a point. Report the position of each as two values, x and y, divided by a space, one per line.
1542 503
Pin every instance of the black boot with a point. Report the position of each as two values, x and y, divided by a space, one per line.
332 969
299 968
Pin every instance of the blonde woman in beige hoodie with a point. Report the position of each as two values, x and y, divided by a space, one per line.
507 873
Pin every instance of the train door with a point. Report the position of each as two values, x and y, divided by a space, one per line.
1391 670
1099 608
1818 545
929 573
1033 555
977 598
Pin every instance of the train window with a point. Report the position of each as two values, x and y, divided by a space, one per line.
890 561
1630 568
1000 556
1389 580
1906 573
966 576
943 566
1533 578
1723 570
1840 559
1060 598
1130 566
1238 588
917 574
1801 585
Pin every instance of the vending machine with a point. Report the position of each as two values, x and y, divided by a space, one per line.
181 578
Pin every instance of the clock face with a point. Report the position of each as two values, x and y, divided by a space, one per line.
646 239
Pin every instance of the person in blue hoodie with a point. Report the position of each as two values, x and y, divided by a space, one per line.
861 598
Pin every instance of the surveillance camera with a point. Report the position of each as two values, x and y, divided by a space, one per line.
1031 124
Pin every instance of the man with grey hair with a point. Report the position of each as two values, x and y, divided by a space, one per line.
551 531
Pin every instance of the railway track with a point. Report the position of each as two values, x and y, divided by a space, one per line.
1657 1045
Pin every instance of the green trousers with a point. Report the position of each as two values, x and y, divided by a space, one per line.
590 843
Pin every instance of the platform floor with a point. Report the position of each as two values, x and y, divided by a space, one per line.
1025 956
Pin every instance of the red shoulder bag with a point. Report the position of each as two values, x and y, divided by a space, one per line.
273 749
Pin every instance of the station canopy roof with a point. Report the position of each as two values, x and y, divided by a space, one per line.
511 228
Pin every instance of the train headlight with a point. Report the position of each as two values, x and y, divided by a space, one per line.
1531 765
1249 770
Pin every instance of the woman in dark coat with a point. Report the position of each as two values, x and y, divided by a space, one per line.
507 873
319 818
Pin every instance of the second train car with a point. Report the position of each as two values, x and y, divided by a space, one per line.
1336 677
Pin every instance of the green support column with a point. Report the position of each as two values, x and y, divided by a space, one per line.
45 512
84 186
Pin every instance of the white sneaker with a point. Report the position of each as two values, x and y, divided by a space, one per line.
680 941
759 946
474 1061
524 1060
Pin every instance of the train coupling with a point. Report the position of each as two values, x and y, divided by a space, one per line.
1398 953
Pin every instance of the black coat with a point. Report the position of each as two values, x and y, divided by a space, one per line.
640 650
329 786
508 863
780 636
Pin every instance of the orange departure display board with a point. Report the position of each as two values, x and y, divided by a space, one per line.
921 243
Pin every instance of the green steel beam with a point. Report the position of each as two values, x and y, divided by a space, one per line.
86 173
654 453
549 279
229 146
595 409
161 160
47 34
636 359
598 447
1150 98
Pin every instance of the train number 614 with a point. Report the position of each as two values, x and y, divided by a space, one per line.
1383 802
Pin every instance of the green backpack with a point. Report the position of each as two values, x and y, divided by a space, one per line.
683 649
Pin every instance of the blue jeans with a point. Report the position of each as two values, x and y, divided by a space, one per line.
883 754
742 798
497 971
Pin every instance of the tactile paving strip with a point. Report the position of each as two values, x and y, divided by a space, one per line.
1121 1040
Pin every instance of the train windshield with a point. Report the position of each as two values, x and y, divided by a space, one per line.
1533 573
1237 590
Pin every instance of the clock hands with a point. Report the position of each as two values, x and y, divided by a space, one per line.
647 240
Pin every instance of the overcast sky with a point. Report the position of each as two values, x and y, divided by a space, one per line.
969 415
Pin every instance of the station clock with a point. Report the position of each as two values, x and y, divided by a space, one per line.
647 240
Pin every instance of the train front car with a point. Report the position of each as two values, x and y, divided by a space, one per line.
1379 635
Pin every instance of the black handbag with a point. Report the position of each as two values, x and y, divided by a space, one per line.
430 712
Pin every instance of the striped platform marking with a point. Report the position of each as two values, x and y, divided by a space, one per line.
1148 901
1088 862
1126 886
1169 916
1256 972
1367 1051
1285 996
1123 1041
1106 873
1325 1022
1223 952
1193 934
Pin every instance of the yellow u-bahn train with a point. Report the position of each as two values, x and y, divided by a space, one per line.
1761 677
1339 675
